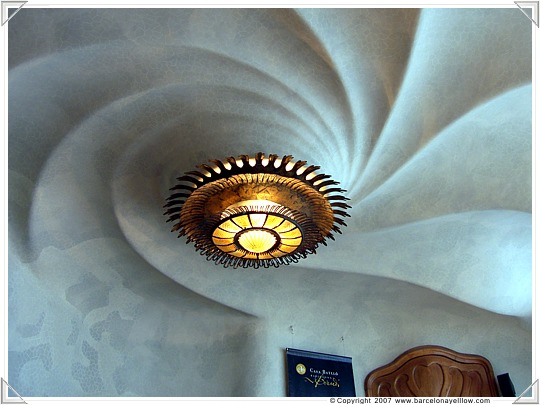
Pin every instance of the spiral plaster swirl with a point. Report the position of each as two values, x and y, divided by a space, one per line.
423 115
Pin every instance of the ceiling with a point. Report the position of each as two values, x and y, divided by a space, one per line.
424 116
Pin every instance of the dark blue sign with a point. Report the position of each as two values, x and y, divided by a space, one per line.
313 374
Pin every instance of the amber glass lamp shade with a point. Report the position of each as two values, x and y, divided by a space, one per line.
256 212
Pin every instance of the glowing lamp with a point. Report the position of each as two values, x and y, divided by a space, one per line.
256 211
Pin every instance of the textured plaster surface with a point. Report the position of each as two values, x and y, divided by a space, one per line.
424 116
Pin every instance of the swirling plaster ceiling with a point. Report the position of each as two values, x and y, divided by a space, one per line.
423 115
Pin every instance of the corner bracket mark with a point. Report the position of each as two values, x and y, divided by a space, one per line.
5 9
6 399
529 400
535 10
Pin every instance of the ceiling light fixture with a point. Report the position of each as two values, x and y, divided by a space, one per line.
256 211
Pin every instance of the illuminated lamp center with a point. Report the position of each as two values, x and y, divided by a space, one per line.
257 240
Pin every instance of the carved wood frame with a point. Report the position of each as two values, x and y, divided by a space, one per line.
433 371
